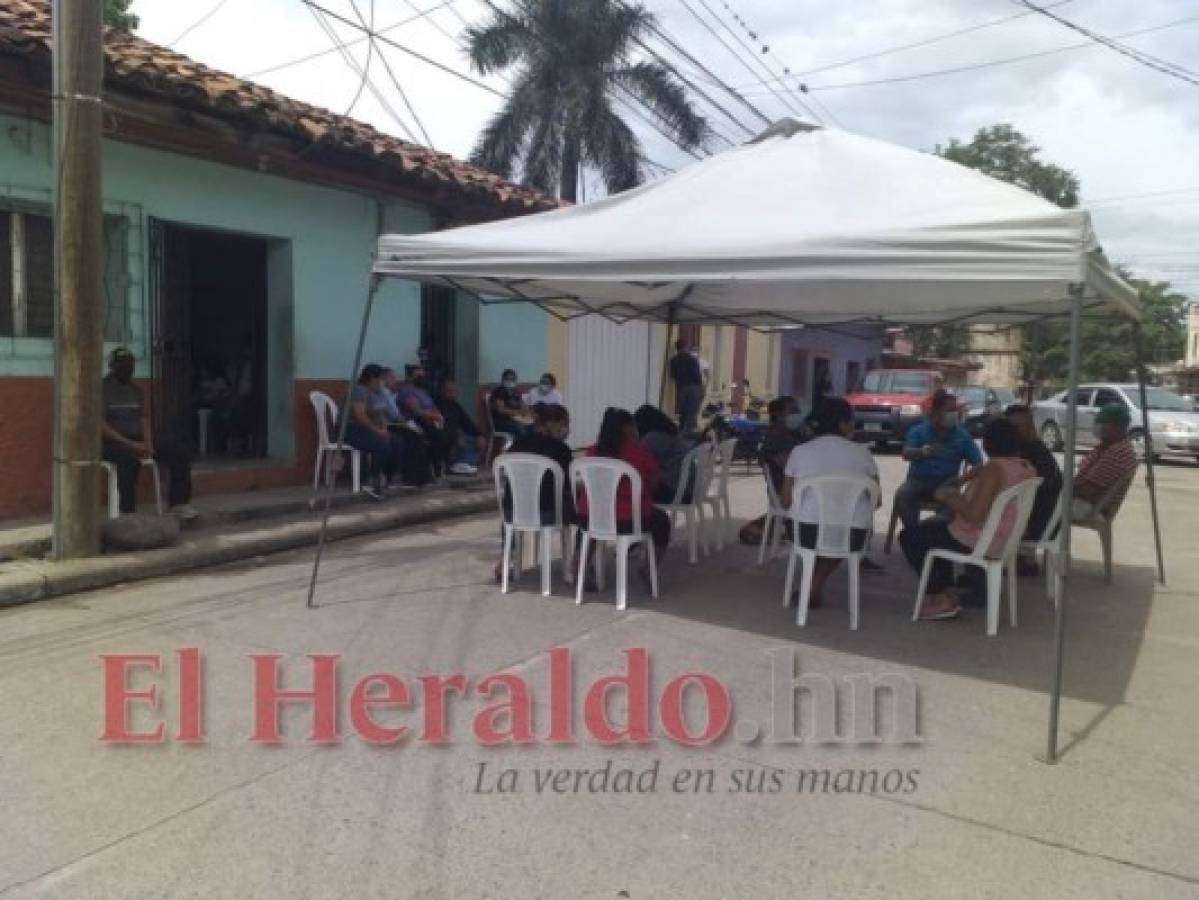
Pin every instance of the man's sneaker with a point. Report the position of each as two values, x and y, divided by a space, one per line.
461 468
185 512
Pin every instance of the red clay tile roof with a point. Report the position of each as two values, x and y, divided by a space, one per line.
131 62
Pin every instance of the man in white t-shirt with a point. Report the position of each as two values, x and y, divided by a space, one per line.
831 452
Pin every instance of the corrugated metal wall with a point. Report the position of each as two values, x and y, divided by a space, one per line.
610 365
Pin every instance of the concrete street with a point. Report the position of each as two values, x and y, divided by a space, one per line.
1117 817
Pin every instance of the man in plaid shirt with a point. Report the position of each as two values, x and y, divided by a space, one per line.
1113 461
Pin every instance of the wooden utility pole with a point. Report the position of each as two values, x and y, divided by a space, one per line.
78 270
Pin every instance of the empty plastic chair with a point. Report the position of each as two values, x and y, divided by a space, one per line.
695 471
114 498
326 449
777 516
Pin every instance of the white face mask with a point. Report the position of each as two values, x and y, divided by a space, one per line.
793 421
545 388
509 383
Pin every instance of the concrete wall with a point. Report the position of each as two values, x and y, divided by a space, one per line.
320 242
799 348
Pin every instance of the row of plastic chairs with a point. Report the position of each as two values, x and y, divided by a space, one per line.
519 476
838 496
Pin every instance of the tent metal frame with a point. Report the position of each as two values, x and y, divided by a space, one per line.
1077 311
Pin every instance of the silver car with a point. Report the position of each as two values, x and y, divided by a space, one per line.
1172 419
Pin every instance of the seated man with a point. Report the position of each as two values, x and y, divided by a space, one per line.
1113 461
127 441
415 403
505 405
466 441
936 449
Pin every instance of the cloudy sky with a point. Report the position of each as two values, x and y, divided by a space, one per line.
1128 131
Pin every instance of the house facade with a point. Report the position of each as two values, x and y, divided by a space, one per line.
239 227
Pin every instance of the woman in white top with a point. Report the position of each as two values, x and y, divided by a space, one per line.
831 452
545 392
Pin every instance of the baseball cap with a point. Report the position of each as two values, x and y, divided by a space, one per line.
1116 413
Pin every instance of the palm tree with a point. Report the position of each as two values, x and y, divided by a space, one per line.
572 58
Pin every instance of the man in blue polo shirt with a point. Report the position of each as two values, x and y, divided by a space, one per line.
936 449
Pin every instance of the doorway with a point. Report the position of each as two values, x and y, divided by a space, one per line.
209 326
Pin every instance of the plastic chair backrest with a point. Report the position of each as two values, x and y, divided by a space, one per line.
524 473
601 477
1055 519
1113 498
837 497
772 496
692 471
326 413
1021 496
727 449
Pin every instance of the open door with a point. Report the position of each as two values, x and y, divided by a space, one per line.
170 331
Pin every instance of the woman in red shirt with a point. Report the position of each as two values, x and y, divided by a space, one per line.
618 440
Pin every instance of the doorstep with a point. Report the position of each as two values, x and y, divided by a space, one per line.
231 527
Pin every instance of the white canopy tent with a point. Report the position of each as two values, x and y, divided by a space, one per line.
802 226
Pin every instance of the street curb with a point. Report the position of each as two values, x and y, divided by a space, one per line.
25 581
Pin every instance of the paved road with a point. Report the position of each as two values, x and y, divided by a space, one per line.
976 814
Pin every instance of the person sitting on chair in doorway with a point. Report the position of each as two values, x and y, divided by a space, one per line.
416 403
465 440
506 406
127 440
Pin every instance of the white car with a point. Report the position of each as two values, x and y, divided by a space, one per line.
1172 419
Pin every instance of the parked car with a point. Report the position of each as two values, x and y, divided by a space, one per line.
981 404
890 401
1172 419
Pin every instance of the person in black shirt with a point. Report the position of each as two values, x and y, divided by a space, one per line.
1033 449
688 379
546 438
465 439
505 405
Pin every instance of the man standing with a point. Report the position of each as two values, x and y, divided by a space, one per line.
688 385
936 449
127 440
1110 464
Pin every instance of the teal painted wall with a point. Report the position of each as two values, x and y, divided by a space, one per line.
330 235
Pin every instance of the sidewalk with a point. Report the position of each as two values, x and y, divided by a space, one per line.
231 527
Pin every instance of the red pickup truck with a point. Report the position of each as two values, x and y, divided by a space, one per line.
890 401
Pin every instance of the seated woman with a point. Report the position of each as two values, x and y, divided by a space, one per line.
831 452
367 431
1003 469
618 440
661 437
547 438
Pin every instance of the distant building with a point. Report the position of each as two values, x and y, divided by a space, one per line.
997 355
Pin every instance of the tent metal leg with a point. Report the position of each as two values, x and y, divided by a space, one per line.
665 365
341 436
1150 480
1061 585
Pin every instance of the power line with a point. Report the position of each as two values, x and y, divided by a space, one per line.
300 60
994 62
1152 62
390 74
914 45
213 10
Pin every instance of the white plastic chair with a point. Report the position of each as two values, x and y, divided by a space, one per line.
776 516
1047 547
718 493
1019 496
837 497
326 416
505 438
114 496
695 471
601 477
523 474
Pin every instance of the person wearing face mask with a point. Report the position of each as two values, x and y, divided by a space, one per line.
661 437
127 440
936 449
831 452
415 402
785 431
506 406
466 440
1113 461
546 392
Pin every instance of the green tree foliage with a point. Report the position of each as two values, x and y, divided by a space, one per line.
570 59
117 15
1004 153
